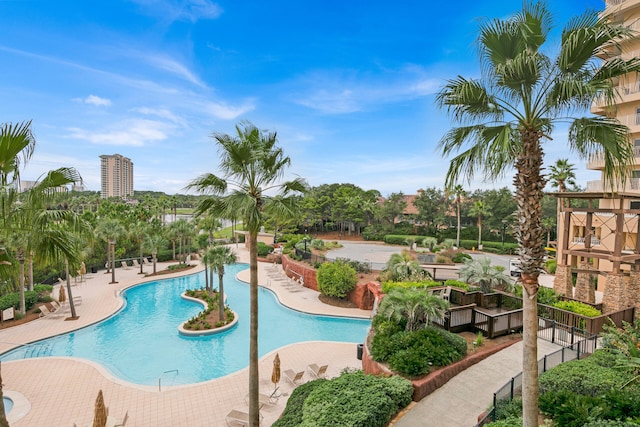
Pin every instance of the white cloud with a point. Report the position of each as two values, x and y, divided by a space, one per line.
163 113
223 111
134 132
174 67
94 100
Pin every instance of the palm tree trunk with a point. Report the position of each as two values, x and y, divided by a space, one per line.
141 272
173 245
529 184
69 294
30 271
155 258
221 296
206 278
458 231
254 409
23 307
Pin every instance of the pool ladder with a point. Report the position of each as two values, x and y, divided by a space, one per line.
166 372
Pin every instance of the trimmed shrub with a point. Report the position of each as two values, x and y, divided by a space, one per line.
506 408
363 400
13 300
578 308
457 284
551 265
388 286
336 279
264 249
292 415
397 239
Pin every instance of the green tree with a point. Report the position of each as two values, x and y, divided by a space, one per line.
480 272
218 257
431 205
336 279
393 206
415 306
252 167
458 193
401 267
507 113
153 242
480 210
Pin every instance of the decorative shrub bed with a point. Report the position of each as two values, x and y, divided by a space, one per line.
40 293
352 399
388 286
578 308
413 353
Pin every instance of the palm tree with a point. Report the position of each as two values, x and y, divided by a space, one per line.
505 115
153 242
479 209
562 174
401 267
138 231
415 306
218 257
481 273
458 193
252 167
110 230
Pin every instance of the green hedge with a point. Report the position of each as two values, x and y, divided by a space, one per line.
264 249
388 286
578 308
398 239
292 415
13 300
496 246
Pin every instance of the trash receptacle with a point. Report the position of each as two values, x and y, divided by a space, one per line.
360 350
94 270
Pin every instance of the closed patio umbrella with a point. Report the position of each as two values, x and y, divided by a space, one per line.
62 296
275 375
100 412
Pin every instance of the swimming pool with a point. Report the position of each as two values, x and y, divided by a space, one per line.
141 343
8 404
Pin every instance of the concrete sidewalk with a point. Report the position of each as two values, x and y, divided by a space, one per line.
468 394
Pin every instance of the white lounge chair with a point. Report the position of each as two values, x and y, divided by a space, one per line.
134 263
265 399
112 422
44 311
238 418
318 371
294 378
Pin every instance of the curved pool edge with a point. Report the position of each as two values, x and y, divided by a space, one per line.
118 294
21 405
299 310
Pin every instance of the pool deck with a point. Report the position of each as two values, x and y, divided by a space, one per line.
62 390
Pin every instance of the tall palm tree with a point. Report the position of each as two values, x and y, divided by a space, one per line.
458 193
505 115
138 231
110 230
480 210
153 242
252 167
219 256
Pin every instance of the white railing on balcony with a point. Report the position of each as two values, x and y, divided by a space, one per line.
630 120
610 3
599 157
597 186
580 240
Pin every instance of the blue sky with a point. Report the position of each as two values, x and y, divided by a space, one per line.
348 85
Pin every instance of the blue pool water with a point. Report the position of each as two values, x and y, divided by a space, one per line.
8 404
141 344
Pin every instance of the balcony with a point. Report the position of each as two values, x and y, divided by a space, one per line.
632 185
619 6
629 92
596 161
580 241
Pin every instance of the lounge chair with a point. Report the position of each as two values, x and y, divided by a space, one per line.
238 418
112 422
294 378
44 311
318 371
265 399
134 263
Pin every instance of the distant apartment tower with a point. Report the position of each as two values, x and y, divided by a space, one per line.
116 172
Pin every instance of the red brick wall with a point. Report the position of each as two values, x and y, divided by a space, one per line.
296 269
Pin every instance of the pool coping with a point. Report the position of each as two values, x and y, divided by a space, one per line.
21 405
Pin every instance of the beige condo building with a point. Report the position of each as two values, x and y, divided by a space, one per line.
601 243
116 176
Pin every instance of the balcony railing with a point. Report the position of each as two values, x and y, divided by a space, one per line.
597 160
633 184
580 240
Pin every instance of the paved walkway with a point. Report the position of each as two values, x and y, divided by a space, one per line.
62 390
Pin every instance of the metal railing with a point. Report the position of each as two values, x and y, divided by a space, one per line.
584 345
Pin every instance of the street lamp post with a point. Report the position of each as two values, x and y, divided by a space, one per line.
504 227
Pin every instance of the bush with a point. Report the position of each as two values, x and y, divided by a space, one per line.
397 239
336 279
363 400
506 408
457 284
507 422
43 291
592 376
413 353
292 415
551 265
264 249
388 286
578 308
13 300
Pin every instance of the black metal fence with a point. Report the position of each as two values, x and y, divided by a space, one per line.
579 344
